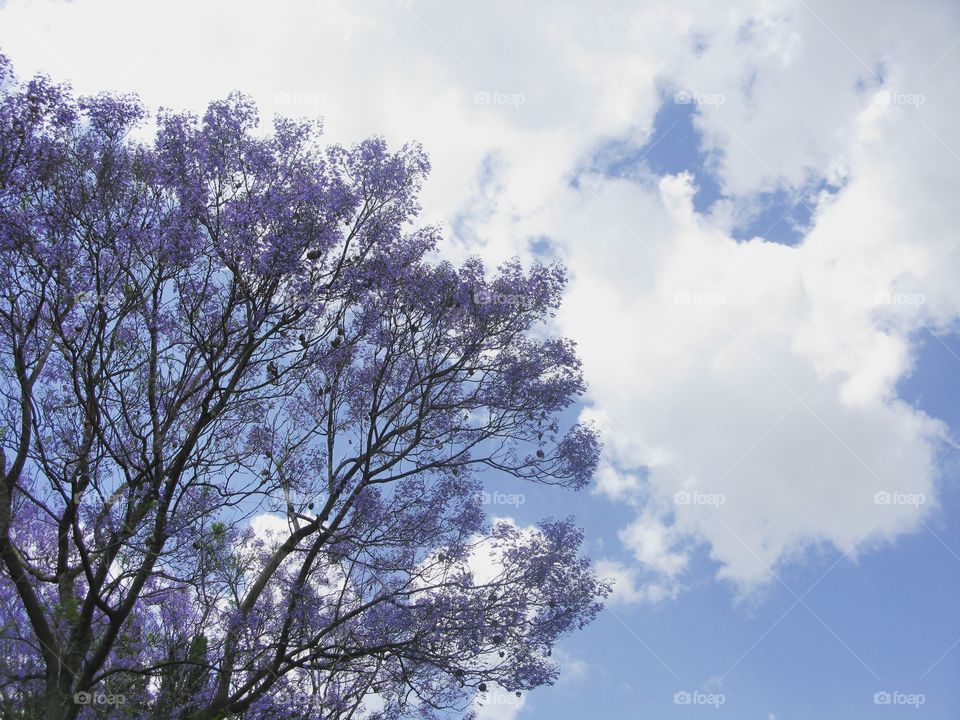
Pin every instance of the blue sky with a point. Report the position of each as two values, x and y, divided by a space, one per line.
828 633
756 203
819 641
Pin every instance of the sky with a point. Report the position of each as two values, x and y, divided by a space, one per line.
757 205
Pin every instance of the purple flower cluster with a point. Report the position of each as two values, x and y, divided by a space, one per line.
243 425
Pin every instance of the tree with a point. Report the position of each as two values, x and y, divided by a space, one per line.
226 326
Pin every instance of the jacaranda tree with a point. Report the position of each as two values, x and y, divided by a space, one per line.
224 326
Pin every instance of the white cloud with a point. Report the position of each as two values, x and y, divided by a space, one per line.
652 544
616 484
270 528
572 668
755 372
498 704
629 588
761 373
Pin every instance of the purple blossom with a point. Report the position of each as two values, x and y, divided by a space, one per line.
244 424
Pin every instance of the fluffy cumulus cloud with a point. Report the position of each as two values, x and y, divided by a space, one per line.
497 704
748 389
756 382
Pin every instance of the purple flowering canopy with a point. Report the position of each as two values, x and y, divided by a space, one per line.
243 417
